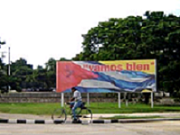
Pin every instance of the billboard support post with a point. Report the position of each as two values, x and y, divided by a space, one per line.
126 102
119 100
152 103
88 99
126 98
62 99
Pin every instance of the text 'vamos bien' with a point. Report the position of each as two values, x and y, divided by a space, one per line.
118 67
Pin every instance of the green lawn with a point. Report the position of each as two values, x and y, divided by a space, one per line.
47 108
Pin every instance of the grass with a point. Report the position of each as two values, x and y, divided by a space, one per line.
47 108
132 108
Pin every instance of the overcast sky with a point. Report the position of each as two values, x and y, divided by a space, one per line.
40 29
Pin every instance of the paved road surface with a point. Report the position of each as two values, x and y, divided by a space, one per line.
155 128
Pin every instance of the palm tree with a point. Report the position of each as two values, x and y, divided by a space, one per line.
2 43
51 65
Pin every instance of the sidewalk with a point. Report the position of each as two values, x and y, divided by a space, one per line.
165 115
95 116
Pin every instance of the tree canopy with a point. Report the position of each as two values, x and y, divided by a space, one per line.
152 36
23 76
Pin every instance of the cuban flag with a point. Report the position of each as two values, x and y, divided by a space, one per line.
90 76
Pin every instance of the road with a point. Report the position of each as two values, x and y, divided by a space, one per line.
155 128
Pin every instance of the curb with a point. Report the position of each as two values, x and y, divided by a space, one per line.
22 121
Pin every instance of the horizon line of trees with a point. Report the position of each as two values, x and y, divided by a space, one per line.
23 76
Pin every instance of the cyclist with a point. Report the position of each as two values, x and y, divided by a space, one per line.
75 102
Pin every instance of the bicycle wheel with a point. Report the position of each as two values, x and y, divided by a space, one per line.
59 114
85 114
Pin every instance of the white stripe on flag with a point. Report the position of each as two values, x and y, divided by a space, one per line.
97 84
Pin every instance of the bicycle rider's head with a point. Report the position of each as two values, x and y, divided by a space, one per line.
73 89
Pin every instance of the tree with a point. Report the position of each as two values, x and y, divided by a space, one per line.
51 73
64 59
20 74
154 36
3 77
45 78
2 42
24 76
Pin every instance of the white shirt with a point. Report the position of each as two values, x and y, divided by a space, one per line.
77 96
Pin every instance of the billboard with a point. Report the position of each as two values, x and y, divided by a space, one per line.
106 76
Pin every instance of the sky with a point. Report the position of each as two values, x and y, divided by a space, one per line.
37 30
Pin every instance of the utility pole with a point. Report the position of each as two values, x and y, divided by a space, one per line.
9 73
9 70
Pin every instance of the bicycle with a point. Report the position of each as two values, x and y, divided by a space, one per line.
81 112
